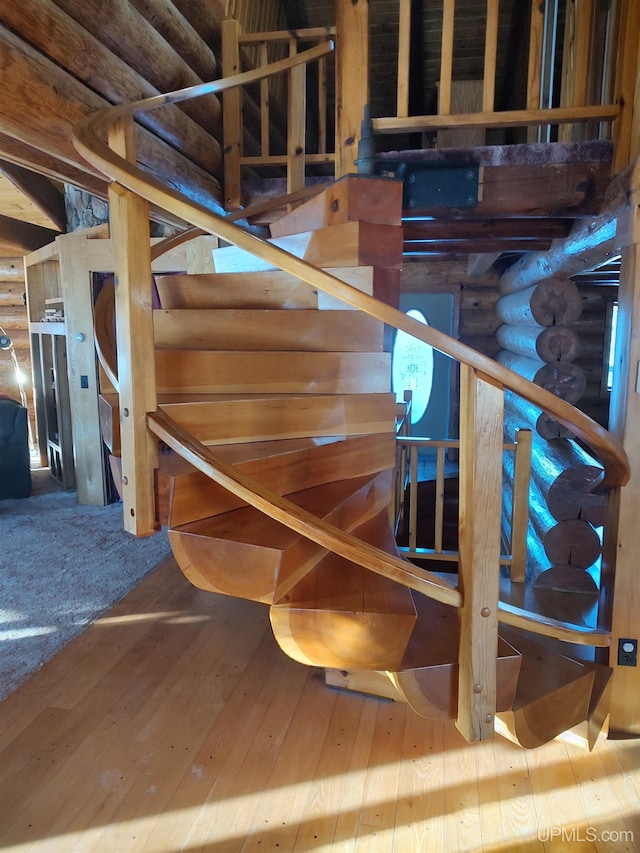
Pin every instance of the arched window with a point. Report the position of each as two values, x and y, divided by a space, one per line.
412 368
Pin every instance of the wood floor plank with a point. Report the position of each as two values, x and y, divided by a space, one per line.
214 732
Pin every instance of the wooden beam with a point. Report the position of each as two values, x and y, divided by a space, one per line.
589 242
19 153
506 118
470 229
481 431
62 101
124 31
24 236
136 352
48 28
352 79
39 190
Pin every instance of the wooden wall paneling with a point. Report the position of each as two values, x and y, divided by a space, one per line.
77 291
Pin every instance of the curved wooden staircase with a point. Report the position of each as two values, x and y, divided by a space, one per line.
275 479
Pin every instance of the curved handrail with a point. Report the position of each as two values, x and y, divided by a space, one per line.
605 446
344 544
87 139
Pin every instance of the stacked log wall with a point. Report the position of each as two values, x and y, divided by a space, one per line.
540 335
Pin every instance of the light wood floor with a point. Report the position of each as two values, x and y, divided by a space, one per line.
174 723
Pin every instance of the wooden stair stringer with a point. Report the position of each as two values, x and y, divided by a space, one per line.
343 616
246 554
554 694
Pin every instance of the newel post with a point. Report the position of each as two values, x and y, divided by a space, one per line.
352 80
481 441
129 215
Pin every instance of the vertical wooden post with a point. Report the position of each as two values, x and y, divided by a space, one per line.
520 505
534 69
231 115
75 281
296 117
575 61
625 87
352 79
265 119
481 430
404 57
621 532
413 497
446 57
129 216
490 56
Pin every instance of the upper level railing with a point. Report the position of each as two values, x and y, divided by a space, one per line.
577 61
482 384
293 153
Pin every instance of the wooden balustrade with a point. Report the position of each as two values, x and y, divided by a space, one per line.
407 473
295 157
588 56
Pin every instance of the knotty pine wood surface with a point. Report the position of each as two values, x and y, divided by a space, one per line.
175 723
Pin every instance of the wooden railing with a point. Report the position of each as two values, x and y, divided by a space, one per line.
515 533
588 55
295 156
594 99
482 384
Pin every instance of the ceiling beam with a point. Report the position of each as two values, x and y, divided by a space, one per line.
18 237
39 190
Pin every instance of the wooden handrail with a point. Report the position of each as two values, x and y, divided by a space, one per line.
88 139
336 540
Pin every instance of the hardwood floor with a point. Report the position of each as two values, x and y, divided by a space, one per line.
175 723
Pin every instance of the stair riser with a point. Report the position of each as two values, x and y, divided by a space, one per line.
250 420
350 244
263 573
204 372
193 496
250 331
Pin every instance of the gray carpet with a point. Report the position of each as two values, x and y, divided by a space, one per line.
61 566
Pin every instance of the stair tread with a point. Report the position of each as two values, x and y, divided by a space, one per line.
340 585
247 554
340 615
250 526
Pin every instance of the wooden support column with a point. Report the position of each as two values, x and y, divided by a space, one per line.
231 115
622 534
352 79
75 281
136 356
296 120
481 431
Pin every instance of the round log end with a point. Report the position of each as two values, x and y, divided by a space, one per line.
566 579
